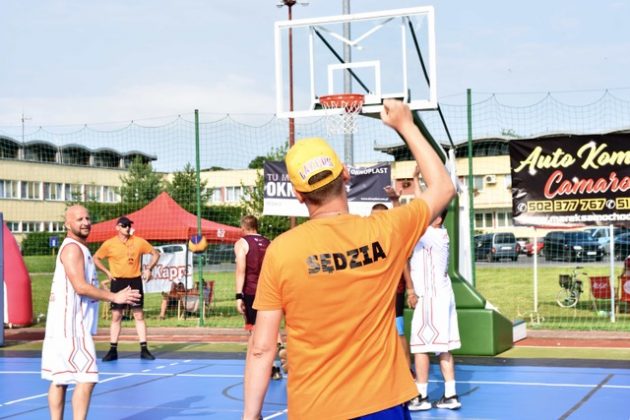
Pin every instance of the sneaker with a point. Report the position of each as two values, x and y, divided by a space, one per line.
146 355
275 373
452 403
419 404
111 355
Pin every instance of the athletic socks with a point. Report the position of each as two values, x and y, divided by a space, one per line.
144 352
112 354
422 388
449 389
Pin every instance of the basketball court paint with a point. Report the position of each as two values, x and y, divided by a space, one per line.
212 389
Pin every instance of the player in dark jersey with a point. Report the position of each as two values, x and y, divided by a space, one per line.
250 252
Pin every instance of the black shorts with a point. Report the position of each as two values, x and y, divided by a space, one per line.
250 312
121 283
400 304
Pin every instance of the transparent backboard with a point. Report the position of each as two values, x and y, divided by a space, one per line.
391 54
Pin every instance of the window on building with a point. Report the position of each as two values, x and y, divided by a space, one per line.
54 227
73 192
504 219
111 195
31 227
483 220
233 194
13 226
93 193
53 191
30 190
478 182
216 195
507 181
8 188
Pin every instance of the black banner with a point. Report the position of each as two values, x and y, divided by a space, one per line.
571 180
366 187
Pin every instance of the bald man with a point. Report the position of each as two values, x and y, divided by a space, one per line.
68 355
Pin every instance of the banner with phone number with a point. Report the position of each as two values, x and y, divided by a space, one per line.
571 180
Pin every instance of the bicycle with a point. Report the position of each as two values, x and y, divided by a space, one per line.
570 288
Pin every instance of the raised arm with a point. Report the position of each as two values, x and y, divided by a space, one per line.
440 189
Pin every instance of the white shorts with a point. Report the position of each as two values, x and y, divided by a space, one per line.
434 327
69 360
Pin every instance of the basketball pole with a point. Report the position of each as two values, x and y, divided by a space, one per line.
348 138
202 301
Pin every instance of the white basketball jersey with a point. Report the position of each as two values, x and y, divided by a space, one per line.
69 314
429 263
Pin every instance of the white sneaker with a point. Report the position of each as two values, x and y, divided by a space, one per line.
419 404
452 403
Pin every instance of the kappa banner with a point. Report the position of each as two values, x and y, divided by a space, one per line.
170 268
366 187
571 180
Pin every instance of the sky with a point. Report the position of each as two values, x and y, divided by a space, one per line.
86 62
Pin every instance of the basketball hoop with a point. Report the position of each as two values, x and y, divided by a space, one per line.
347 107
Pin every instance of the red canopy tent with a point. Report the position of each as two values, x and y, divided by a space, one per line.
164 220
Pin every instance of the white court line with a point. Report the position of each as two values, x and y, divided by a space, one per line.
160 367
279 413
174 364
32 397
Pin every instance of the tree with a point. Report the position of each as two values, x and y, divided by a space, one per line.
141 184
183 188
276 153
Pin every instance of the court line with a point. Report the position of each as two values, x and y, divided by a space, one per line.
70 388
586 397
279 413
216 375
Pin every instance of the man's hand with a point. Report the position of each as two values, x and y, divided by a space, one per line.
146 274
412 300
127 296
392 194
240 306
396 114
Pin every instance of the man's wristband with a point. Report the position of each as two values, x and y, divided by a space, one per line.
239 296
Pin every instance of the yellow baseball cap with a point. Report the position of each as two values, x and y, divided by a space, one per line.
308 157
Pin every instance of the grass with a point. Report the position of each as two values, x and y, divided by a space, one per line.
509 288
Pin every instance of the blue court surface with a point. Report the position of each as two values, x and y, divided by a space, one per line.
212 389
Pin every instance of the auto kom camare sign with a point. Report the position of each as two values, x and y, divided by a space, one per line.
571 179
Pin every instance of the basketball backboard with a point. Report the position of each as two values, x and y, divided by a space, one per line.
392 55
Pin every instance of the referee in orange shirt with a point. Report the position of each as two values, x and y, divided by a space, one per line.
124 256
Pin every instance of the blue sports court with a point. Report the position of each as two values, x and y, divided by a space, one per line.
186 388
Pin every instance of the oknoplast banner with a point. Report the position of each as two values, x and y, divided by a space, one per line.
366 188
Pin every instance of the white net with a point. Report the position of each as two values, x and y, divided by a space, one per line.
343 110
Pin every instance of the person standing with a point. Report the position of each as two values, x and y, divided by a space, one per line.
434 327
250 252
68 355
124 253
334 279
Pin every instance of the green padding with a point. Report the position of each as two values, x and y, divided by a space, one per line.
483 332
466 297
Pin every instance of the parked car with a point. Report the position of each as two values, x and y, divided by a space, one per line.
495 246
602 234
572 246
530 248
522 242
622 246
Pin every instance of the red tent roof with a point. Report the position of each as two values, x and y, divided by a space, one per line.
164 220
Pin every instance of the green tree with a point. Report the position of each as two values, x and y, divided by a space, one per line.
183 188
141 184
276 153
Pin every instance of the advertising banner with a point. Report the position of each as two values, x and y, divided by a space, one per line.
366 187
171 268
571 180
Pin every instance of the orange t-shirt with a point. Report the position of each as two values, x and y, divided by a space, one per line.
124 258
335 279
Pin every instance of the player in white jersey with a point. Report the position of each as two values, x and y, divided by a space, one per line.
434 326
68 355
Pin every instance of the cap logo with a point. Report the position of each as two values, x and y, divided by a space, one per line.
314 165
